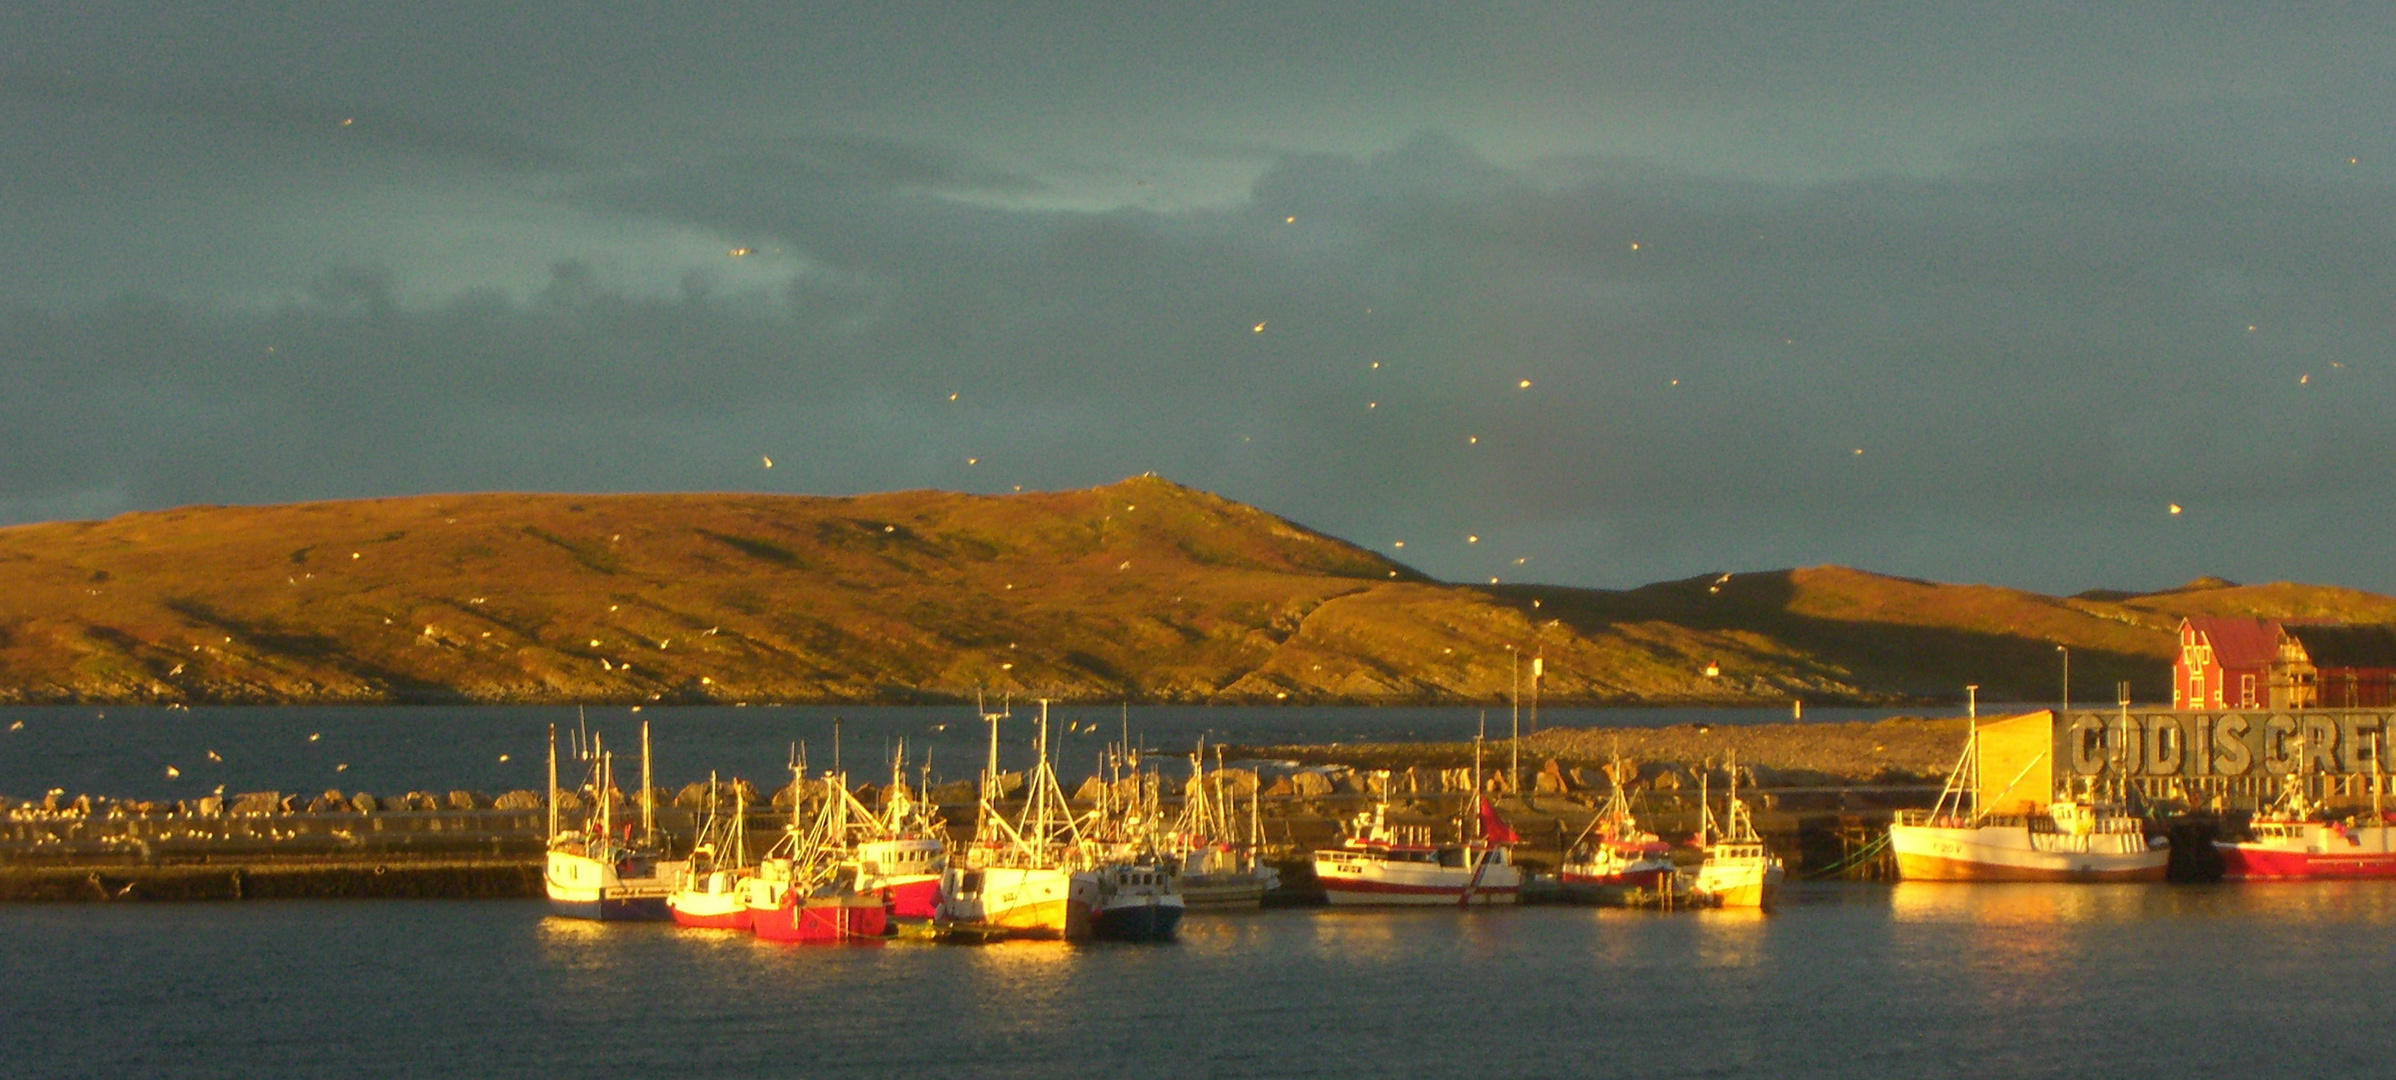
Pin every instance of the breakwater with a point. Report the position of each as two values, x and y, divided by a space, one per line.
101 850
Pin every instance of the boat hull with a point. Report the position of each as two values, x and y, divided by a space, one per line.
1372 882
579 887
611 908
2322 851
1220 890
823 920
912 898
1136 922
1012 902
709 911
2012 853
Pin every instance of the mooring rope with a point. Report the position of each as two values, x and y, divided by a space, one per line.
1853 859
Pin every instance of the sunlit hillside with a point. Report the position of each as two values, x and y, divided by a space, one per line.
1141 589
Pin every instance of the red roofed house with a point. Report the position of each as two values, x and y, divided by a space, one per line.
2225 663
2238 663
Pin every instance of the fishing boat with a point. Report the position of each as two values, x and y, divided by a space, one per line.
1136 901
1024 878
1613 857
1738 871
707 893
592 872
2296 838
1377 862
2019 831
902 858
807 888
1214 862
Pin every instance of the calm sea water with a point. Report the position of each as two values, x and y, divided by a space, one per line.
125 751
1845 981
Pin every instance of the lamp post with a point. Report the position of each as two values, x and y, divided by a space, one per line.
2066 650
1971 693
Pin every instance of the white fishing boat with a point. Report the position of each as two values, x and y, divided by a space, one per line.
1738 871
1380 863
1215 862
2019 831
592 872
707 893
1023 878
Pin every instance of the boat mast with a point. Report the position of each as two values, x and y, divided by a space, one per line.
740 823
648 794
607 786
553 785
989 771
1514 740
1472 809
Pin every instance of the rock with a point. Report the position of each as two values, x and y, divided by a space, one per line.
464 800
1237 783
1551 779
331 802
1310 784
693 796
363 803
1010 785
569 801
293 804
518 800
211 805
258 802
954 794
1280 788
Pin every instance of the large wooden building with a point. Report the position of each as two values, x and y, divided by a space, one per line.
2242 663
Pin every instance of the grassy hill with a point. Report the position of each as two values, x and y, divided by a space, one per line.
1140 589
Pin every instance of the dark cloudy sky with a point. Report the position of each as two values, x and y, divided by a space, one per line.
1966 291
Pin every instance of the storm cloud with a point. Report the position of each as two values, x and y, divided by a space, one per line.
2004 359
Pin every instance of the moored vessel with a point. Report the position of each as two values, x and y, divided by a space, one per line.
591 872
707 893
807 888
1381 863
2019 830
2296 838
1739 870
1614 858
1020 879
1213 861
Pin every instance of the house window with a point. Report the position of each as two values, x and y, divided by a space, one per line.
2246 691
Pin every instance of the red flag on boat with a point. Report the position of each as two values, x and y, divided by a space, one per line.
1495 828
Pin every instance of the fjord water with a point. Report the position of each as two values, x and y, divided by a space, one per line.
125 752
1845 981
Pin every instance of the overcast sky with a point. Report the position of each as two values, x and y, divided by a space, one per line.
1969 292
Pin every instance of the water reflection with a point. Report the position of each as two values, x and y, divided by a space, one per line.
2017 903
1730 937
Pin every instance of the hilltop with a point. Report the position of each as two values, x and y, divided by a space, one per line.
1142 589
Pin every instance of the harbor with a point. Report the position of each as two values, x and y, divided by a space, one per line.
1284 809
